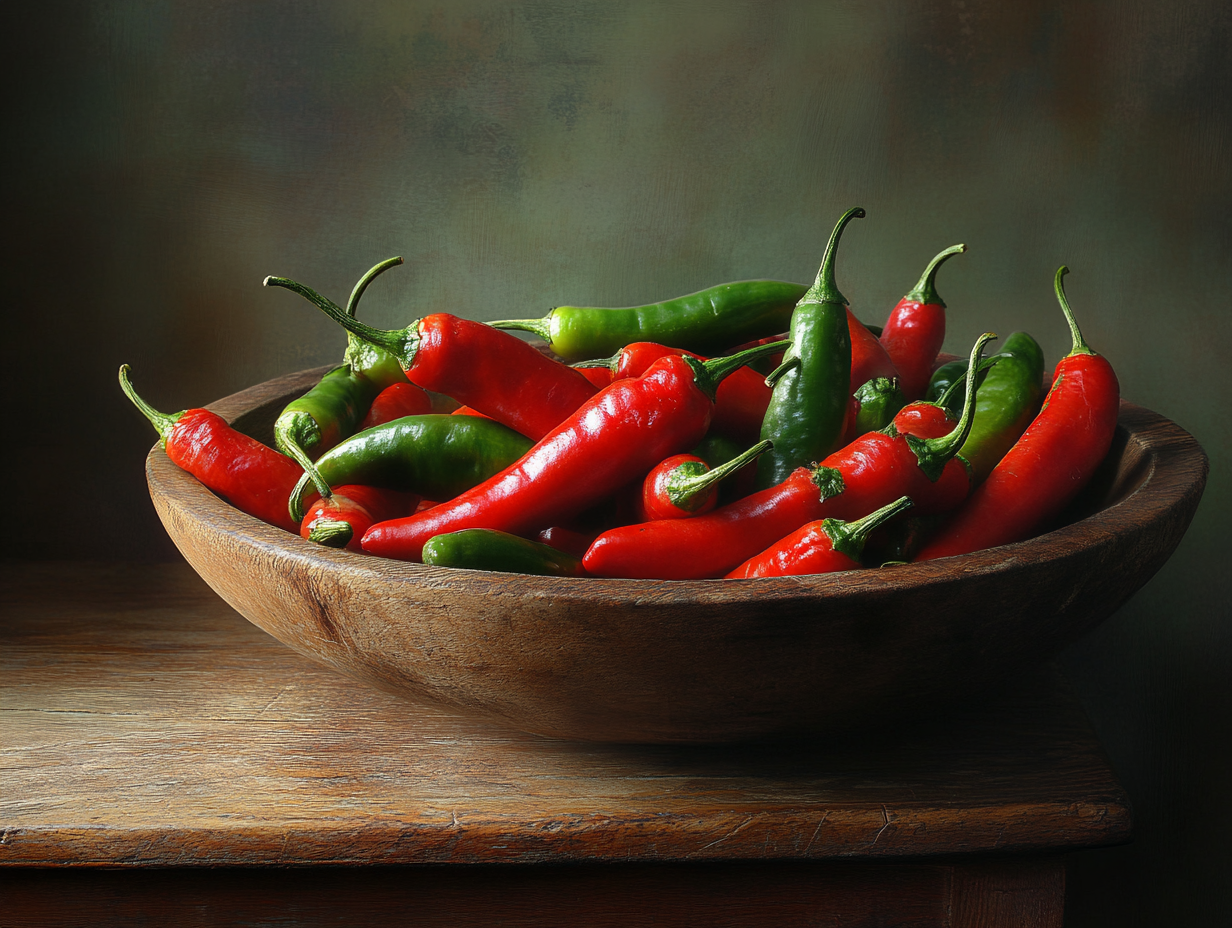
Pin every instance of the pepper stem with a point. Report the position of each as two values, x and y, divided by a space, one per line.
824 289
849 537
162 422
689 488
709 374
541 327
401 343
368 278
981 373
333 533
933 453
609 363
1080 345
295 502
777 374
925 291
291 448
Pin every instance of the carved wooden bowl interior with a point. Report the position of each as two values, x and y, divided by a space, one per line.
694 661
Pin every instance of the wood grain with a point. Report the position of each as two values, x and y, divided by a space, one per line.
144 723
705 661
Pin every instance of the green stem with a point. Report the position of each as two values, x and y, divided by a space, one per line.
333 533
710 374
849 537
933 453
295 503
824 289
925 291
162 422
1080 345
690 487
401 343
291 448
368 278
541 327
985 366
777 374
609 363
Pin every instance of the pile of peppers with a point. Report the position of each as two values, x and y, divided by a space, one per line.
753 429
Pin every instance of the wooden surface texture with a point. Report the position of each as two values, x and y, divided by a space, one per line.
144 723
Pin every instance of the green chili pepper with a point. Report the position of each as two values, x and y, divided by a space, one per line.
707 322
1007 401
805 417
437 457
488 549
943 379
331 410
880 400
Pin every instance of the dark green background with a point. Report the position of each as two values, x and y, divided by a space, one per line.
161 158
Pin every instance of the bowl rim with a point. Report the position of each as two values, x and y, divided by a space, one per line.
1177 468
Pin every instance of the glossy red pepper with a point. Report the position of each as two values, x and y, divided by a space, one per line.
1050 463
613 439
491 371
396 401
916 329
250 476
820 547
341 520
684 485
868 356
739 405
874 470
599 376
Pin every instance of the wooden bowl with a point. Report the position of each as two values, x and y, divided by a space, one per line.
694 661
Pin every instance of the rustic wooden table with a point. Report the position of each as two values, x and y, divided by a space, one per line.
164 762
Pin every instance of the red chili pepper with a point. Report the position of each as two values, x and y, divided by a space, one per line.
916 329
1050 463
684 485
394 402
341 520
566 539
491 371
868 357
869 473
599 376
740 404
924 420
820 547
250 476
614 438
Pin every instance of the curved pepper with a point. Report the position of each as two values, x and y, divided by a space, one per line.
915 330
739 404
1050 463
821 547
250 476
486 549
491 371
436 456
708 321
807 409
332 409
